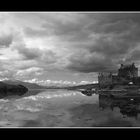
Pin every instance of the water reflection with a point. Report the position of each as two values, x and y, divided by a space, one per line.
129 107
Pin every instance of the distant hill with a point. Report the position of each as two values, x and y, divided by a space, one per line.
26 84
82 86
36 86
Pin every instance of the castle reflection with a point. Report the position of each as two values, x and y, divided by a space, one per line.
129 107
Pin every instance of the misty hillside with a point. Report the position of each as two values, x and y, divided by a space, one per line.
26 84
83 86
36 86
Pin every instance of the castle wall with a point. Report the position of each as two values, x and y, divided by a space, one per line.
104 79
135 72
128 71
126 74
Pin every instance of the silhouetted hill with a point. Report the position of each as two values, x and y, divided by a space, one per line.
9 89
26 84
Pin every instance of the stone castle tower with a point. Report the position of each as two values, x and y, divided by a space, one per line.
126 73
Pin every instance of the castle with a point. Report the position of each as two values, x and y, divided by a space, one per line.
126 74
128 71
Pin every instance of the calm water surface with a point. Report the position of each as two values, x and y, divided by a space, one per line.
62 108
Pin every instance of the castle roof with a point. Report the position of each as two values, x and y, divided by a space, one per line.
128 66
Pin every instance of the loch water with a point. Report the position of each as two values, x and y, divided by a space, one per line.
65 108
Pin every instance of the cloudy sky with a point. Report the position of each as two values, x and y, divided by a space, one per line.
66 47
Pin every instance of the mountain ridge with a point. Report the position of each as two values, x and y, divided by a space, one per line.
26 84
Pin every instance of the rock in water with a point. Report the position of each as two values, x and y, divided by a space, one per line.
9 89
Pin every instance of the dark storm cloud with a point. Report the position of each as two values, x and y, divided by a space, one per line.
59 28
91 67
35 33
90 63
49 57
40 56
29 53
66 27
118 34
5 40
103 40
134 56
